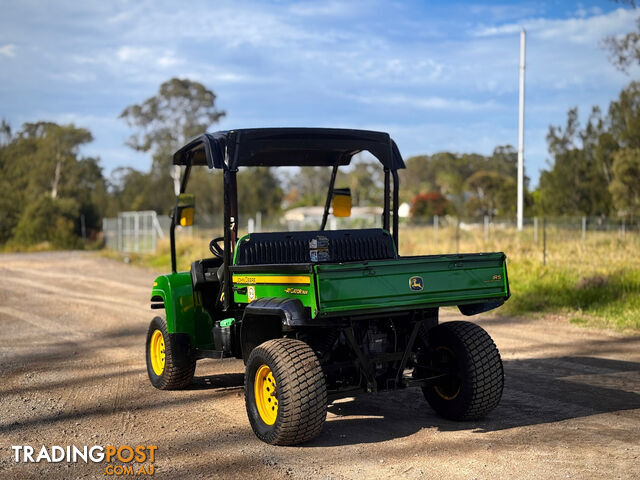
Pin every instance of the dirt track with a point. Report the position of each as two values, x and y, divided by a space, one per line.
72 363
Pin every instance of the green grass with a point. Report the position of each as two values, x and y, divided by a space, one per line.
610 300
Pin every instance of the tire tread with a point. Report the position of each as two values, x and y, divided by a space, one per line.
178 370
302 392
484 379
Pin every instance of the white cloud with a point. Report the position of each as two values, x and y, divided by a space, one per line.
128 53
315 9
74 76
428 103
168 59
500 13
8 50
584 29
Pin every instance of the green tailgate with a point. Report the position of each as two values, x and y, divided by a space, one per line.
434 280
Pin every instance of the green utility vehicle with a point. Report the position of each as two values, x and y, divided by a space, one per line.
321 314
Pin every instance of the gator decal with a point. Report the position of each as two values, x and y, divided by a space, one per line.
296 291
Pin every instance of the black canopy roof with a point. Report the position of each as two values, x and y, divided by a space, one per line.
287 147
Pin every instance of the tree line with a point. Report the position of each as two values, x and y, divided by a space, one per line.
54 194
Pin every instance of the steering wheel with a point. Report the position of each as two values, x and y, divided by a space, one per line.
216 249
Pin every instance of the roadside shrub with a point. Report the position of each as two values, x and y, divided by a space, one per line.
48 220
429 204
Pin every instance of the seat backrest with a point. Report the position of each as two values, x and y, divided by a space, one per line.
330 246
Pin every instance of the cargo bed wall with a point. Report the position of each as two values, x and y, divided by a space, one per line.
434 280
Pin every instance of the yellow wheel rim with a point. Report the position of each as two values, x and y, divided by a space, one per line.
266 393
449 392
156 352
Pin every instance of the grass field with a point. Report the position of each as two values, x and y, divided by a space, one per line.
595 282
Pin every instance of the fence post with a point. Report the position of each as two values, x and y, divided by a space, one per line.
119 242
156 226
544 241
535 230
435 230
83 227
258 221
152 229
624 228
136 230
486 229
250 226
584 230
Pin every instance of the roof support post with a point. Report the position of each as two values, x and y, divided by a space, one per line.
230 230
387 194
396 187
230 187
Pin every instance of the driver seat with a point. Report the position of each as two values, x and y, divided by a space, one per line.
207 277
205 272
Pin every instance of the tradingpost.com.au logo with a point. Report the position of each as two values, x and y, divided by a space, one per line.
138 459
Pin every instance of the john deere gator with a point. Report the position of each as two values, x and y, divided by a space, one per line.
317 315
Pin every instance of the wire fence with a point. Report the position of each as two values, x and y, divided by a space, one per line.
556 240
571 242
137 232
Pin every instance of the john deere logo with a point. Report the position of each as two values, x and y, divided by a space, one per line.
416 284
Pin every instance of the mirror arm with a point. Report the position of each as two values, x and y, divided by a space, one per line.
327 204
185 178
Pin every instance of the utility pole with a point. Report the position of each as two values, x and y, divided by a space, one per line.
520 207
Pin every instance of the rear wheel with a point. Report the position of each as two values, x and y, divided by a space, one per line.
168 367
473 376
285 392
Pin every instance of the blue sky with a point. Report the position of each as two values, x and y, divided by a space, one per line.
435 75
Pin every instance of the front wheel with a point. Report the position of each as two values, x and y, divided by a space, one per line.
285 392
473 375
168 366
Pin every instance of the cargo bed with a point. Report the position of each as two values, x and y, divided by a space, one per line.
409 282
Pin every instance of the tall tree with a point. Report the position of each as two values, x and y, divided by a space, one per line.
207 187
180 110
5 133
625 186
47 186
366 181
576 183
258 191
624 50
311 183
624 117
57 149
491 193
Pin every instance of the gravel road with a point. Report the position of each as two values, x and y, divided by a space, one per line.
72 370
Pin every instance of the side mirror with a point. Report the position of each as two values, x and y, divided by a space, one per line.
341 202
186 209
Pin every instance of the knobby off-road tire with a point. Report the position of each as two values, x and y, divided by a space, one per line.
174 369
475 386
296 411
